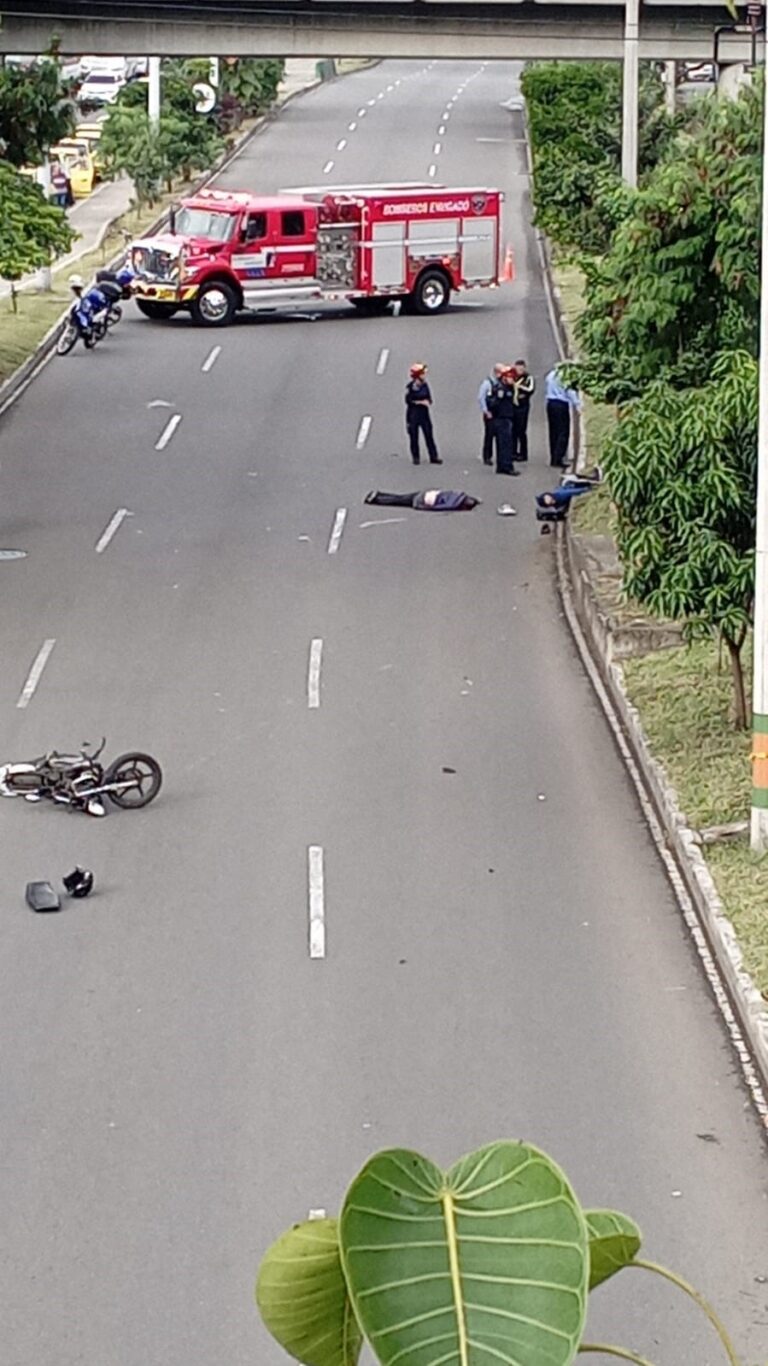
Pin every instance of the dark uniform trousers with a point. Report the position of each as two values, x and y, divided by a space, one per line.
418 420
489 439
520 433
559 424
504 445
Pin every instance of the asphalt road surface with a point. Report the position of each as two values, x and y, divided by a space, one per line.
502 953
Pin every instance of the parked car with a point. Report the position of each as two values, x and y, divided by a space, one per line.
91 133
136 67
100 88
117 66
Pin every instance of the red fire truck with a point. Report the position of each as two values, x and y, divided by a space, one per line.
369 244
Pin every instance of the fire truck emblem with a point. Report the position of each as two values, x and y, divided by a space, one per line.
479 202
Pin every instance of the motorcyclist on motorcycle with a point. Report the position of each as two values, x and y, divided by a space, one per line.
90 301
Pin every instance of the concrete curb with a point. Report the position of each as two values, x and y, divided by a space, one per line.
22 377
741 1003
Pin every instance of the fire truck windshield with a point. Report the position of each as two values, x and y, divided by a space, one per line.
205 223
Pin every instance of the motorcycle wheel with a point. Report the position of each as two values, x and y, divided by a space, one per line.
114 315
66 340
144 770
89 340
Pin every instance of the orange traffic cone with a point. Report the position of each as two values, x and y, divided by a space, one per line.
508 269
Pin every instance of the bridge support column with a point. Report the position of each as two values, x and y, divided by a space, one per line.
630 92
670 86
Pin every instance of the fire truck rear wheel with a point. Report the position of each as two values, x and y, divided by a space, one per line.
432 293
154 310
215 305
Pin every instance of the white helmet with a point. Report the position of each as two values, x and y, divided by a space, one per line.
76 281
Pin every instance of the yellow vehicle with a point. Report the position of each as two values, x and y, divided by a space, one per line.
90 133
75 156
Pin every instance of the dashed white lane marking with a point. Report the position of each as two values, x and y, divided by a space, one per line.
337 529
383 521
361 113
381 364
397 308
352 126
211 360
316 901
370 102
168 430
313 673
437 149
341 145
317 1214
389 88
109 531
363 431
327 167
33 677
380 95
446 115
432 172
441 130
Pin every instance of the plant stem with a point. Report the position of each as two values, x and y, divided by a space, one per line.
609 1350
697 1297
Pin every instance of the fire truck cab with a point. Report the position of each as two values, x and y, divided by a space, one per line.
227 252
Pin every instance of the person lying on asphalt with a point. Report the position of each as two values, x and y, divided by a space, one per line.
431 500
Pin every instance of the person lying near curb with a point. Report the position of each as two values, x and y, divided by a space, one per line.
432 500
554 505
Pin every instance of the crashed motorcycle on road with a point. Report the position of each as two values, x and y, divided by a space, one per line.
81 782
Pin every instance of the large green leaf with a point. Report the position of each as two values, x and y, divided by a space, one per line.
614 1239
485 1263
302 1296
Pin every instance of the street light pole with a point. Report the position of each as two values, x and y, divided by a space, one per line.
759 821
153 94
630 88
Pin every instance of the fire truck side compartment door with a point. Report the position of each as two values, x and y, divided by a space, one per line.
479 249
388 253
433 238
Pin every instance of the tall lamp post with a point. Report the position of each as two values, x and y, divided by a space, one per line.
759 821
629 92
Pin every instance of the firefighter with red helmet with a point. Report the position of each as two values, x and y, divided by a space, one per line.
418 401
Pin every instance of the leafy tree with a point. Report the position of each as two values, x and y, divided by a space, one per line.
251 81
36 111
31 229
493 1259
153 156
680 282
682 471
574 118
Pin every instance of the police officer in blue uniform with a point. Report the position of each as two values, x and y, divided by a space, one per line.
418 400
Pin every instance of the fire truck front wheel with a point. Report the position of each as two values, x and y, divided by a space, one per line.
152 309
432 292
214 305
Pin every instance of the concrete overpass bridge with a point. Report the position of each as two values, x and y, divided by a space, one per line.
525 29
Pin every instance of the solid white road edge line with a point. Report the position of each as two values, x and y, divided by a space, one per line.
168 430
382 361
211 360
313 674
338 527
316 901
33 677
748 1069
363 431
109 531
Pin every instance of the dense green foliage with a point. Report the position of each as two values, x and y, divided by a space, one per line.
32 231
574 117
493 1259
36 111
680 281
682 469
